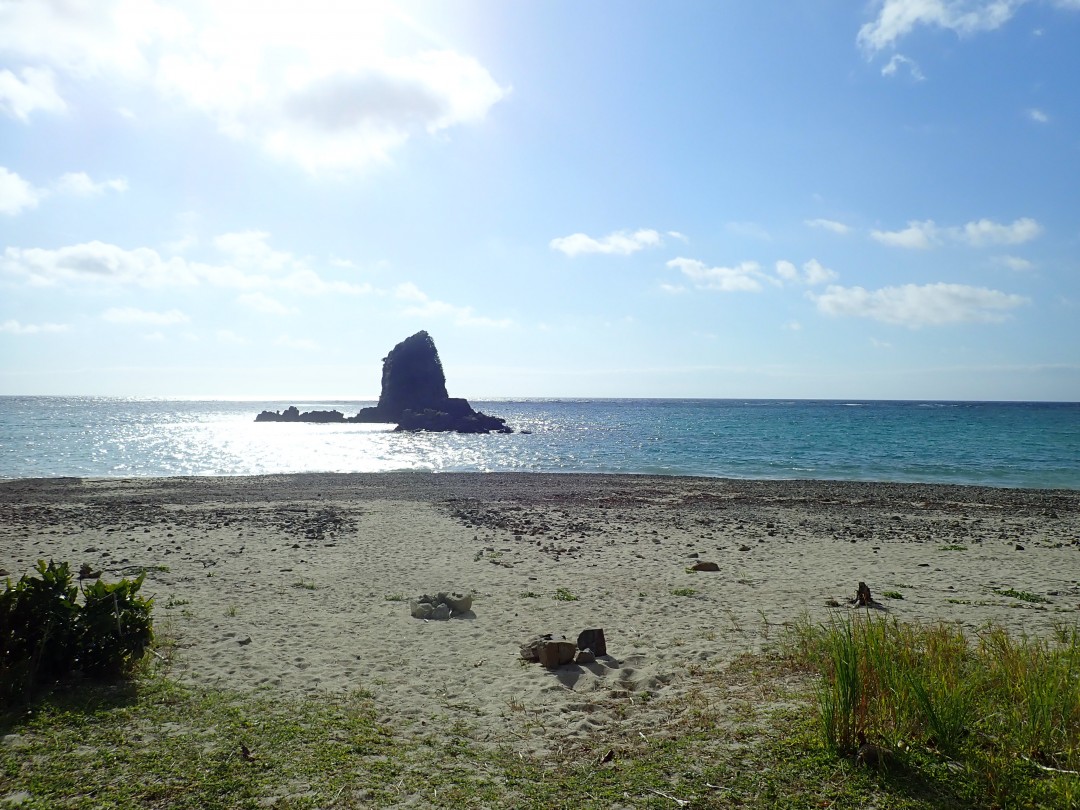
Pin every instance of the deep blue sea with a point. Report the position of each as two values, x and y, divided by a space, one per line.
988 443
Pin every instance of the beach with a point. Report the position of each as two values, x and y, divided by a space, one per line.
302 583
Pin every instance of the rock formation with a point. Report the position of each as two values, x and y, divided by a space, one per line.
413 396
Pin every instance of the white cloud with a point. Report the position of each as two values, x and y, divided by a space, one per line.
672 289
1014 263
915 306
829 225
79 184
898 18
793 326
984 232
261 302
898 61
620 243
328 84
813 272
424 306
251 265
15 328
1038 116
745 277
980 233
16 194
35 90
917 235
129 315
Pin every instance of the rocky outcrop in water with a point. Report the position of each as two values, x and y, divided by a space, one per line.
413 396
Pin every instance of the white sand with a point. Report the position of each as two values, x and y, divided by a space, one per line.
255 596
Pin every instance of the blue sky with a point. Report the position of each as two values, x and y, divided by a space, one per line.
814 198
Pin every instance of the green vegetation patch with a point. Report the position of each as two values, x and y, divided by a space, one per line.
1023 596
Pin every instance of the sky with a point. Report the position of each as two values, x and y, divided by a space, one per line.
793 199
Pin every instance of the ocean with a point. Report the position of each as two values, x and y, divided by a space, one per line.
1000 444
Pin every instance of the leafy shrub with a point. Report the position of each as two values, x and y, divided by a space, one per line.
46 633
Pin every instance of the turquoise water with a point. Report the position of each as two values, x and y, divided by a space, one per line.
993 444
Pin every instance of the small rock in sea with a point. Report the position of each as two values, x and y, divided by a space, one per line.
704 566
243 642
1019 547
744 547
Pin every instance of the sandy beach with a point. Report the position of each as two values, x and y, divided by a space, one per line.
302 583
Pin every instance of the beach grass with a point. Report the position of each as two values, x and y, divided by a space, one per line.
987 721
1002 713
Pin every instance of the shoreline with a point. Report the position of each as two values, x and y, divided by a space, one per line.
301 583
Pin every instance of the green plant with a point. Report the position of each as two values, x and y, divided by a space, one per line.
892 595
1023 596
529 595
683 592
307 586
47 632
563 595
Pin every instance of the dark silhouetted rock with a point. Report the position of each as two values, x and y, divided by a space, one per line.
413 396
592 640
292 414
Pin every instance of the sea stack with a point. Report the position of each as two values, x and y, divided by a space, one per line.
413 397
414 394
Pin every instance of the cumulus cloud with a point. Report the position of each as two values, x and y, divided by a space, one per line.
898 18
620 243
31 90
13 327
744 277
980 233
79 184
422 305
328 84
984 232
813 273
16 194
915 306
898 61
829 225
1038 116
917 235
250 264
129 315
1015 263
